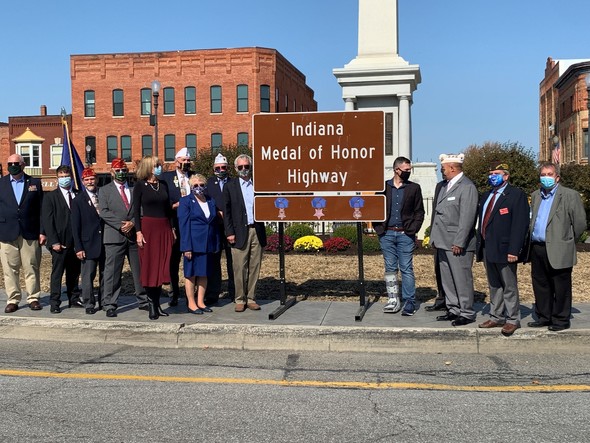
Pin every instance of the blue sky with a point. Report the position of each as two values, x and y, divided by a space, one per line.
481 61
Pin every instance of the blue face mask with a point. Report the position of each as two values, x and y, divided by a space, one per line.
158 171
495 180
64 182
547 182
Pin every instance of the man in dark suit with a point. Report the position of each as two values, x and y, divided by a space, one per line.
503 223
397 236
60 241
178 186
116 209
439 301
558 219
87 229
246 237
215 187
21 233
453 235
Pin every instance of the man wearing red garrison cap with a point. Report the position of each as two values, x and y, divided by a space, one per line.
116 210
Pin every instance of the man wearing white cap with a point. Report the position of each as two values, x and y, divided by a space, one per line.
178 186
453 235
215 186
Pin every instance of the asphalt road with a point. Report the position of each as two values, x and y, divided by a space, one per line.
53 392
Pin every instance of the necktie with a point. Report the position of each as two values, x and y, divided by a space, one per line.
95 202
183 186
486 217
221 183
124 197
70 199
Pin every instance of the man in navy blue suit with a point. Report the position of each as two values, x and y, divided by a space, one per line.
503 224
21 233
178 186
87 228
215 187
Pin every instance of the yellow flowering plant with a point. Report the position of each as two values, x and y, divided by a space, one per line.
308 243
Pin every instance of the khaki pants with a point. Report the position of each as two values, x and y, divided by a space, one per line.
246 265
25 253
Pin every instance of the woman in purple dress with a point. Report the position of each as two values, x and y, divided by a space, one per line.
199 241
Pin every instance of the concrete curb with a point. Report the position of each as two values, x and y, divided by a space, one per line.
296 338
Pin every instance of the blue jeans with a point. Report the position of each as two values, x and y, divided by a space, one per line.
398 253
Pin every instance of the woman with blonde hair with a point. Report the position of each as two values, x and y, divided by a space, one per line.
154 230
199 241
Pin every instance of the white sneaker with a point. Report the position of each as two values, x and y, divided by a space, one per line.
393 306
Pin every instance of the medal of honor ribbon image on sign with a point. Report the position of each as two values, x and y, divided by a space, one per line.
357 203
318 203
282 203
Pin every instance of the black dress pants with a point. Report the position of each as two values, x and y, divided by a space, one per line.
64 260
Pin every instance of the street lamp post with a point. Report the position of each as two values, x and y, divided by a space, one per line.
88 158
154 115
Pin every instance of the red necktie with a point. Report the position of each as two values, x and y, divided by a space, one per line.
487 215
124 197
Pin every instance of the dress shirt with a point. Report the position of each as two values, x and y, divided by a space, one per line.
498 193
248 193
454 180
540 226
18 187
65 193
183 183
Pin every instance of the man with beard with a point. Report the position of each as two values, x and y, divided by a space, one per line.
87 228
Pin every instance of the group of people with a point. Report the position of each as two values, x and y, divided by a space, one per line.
163 218
499 229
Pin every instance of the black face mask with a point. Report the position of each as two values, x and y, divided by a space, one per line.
186 167
404 175
15 169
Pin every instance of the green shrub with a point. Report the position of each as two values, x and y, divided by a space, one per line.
371 243
270 229
346 231
298 230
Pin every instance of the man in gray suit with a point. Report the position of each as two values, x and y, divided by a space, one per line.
116 209
453 235
558 220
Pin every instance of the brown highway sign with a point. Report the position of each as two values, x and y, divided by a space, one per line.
318 152
291 208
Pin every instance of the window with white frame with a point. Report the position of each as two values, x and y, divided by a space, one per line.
31 153
55 154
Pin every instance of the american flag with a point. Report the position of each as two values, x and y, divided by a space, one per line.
556 154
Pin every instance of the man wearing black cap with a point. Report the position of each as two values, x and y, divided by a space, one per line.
503 222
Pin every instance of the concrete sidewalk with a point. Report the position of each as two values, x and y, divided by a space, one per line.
308 325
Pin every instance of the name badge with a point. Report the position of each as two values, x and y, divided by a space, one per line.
451 199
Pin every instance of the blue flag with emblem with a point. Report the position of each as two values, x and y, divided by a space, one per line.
69 155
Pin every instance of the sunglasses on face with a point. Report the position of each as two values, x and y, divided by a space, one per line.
121 170
199 185
246 167
220 168
13 164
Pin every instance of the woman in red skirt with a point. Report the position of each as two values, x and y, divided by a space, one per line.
155 232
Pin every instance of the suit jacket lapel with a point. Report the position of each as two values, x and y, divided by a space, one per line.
556 199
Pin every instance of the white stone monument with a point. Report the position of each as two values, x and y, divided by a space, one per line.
379 78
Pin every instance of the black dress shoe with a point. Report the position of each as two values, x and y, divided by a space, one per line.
557 328
462 321
173 300
55 310
538 324
144 308
75 304
449 316
111 312
436 307
90 311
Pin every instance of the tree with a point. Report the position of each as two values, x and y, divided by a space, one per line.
578 177
522 162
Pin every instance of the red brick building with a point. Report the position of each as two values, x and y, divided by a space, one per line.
4 146
563 112
206 100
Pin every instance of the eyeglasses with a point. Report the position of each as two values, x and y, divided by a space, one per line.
246 167
121 170
13 164
220 168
